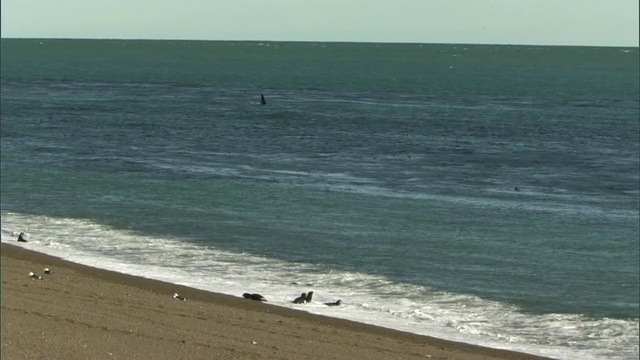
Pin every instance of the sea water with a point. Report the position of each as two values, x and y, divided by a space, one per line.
483 194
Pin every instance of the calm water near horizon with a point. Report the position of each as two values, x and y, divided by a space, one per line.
480 193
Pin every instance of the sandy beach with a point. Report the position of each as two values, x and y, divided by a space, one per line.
80 312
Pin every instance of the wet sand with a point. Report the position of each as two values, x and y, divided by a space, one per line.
80 312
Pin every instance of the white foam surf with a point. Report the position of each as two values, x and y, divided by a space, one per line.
365 298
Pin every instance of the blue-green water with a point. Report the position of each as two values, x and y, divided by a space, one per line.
487 194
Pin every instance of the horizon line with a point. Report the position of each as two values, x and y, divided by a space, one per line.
316 41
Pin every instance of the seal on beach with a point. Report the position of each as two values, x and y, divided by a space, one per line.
34 276
21 237
256 297
304 298
300 299
47 271
179 297
336 303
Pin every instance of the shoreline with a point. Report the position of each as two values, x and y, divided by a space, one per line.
80 312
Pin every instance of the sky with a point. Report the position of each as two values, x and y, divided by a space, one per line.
526 22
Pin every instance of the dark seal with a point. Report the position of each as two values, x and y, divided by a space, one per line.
256 297
300 299
304 298
337 303
21 237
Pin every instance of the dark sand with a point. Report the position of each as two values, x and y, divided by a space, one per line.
80 312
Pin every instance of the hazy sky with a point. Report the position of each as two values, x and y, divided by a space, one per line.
543 22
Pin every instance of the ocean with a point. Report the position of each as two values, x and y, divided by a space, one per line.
487 194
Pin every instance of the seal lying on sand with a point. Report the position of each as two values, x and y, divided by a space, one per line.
256 297
21 237
337 303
